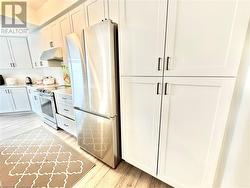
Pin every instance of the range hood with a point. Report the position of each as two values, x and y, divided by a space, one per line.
53 54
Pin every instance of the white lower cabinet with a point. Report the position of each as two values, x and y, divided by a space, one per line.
193 116
14 100
34 100
140 118
6 104
20 99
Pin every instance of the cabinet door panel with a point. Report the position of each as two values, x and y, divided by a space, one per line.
78 21
5 57
95 11
140 116
20 51
206 38
21 100
65 29
56 35
142 37
193 122
5 102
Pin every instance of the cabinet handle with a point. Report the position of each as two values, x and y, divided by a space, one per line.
159 64
167 65
158 88
6 91
66 125
41 63
66 110
166 89
64 98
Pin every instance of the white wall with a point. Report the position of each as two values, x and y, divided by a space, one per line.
51 8
235 163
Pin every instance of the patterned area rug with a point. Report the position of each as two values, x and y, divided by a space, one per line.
40 159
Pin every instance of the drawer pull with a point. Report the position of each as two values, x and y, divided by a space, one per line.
64 98
66 110
66 125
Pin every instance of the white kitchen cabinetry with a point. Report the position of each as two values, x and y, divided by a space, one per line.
206 38
193 120
96 11
14 53
203 38
65 112
140 118
78 21
46 37
20 99
65 29
34 100
14 99
35 40
5 57
20 52
6 104
141 37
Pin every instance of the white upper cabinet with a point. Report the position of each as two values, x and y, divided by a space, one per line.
20 99
20 52
140 118
5 57
46 37
142 37
194 116
206 38
56 37
96 11
78 21
65 29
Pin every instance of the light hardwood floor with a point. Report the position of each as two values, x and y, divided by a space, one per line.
101 176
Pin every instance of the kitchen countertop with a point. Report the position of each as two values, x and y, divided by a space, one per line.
65 91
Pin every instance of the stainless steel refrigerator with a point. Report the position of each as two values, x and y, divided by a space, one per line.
93 68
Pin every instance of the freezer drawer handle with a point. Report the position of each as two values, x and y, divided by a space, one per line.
66 110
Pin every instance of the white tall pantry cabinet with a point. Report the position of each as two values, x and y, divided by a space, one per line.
178 64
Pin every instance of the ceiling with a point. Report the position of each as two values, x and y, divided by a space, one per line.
35 4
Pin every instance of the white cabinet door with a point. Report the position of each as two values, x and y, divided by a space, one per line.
142 37
36 43
46 37
113 10
95 11
5 57
194 117
140 118
6 104
56 37
65 29
20 52
206 38
34 101
20 99
78 21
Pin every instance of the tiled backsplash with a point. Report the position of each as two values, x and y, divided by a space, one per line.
35 74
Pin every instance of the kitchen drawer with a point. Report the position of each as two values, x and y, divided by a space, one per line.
65 99
65 110
66 124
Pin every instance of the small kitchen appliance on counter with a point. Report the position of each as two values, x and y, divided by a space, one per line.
28 81
11 81
1 80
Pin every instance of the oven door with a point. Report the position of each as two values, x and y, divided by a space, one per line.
48 107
